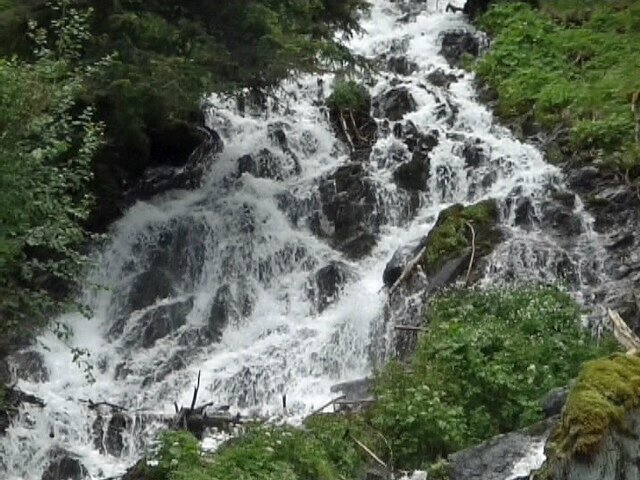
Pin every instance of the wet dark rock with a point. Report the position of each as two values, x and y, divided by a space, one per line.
439 78
327 284
562 219
278 136
495 458
394 104
176 259
355 389
13 399
348 215
583 179
159 322
474 153
401 65
414 174
266 164
64 465
167 176
109 431
399 261
525 213
553 401
456 43
29 365
223 311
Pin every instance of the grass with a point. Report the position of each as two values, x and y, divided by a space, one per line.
573 64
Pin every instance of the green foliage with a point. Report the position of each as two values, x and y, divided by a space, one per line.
606 390
440 470
167 55
47 144
322 451
481 370
350 95
451 235
572 63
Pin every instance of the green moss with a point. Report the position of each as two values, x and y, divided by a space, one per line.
451 235
572 63
349 95
606 390
440 470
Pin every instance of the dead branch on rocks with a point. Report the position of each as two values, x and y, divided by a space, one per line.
408 269
473 253
328 404
411 328
95 405
624 334
369 452
345 129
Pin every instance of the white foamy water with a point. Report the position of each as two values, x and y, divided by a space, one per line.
244 246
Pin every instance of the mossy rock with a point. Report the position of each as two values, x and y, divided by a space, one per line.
606 391
452 236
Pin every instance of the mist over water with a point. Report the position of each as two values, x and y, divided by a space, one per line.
242 246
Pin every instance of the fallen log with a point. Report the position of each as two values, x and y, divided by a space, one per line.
328 404
408 269
623 333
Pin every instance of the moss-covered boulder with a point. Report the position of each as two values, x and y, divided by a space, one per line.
461 229
597 437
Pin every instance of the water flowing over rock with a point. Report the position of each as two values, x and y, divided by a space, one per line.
263 269
456 43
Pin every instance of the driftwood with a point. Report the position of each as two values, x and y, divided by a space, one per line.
453 8
328 404
408 269
624 334
411 328
473 253
369 452
346 131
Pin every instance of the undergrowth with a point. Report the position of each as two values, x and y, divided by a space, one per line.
573 64
481 370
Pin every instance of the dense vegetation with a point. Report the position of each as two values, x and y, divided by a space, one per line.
482 369
571 64
93 92
167 55
47 143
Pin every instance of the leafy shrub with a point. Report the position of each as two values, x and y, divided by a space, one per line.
323 451
349 95
481 370
47 145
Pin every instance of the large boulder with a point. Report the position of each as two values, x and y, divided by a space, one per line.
158 322
498 458
64 465
347 215
401 65
597 435
326 285
172 172
394 104
456 43
401 257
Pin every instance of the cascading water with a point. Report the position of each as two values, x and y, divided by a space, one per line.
231 279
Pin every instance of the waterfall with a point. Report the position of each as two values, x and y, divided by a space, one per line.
240 279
